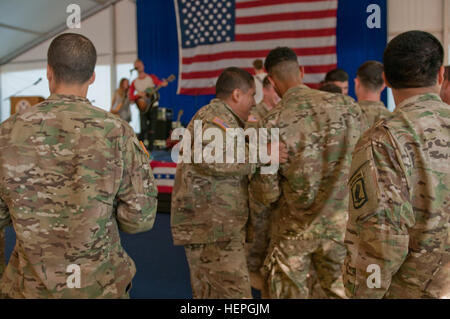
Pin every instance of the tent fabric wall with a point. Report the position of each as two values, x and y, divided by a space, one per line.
158 45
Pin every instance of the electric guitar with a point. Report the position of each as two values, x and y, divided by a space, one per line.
151 96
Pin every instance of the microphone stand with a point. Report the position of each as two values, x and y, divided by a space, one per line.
21 90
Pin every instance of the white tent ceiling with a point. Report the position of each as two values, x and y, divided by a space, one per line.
25 24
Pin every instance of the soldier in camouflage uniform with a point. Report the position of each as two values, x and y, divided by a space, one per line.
398 230
268 102
259 214
64 164
210 200
308 195
2 252
369 84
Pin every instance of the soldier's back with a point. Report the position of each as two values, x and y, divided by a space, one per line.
320 130
421 131
62 164
374 111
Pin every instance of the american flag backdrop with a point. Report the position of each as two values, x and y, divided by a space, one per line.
216 34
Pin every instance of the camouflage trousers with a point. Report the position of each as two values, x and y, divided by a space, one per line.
256 249
293 267
2 252
219 270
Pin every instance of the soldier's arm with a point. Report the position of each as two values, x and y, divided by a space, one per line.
215 167
266 187
5 218
137 195
380 213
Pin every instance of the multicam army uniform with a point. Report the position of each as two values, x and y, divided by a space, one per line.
259 213
398 230
374 111
63 163
209 213
2 252
309 213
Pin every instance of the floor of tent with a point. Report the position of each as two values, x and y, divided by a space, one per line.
162 269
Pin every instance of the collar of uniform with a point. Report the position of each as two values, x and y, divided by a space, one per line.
220 102
68 98
295 89
371 102
420 98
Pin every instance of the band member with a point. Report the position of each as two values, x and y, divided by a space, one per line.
137 90
121 103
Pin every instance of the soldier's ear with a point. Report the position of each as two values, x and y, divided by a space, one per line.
236 95
49 73
441 75
92 79
386 81
302 72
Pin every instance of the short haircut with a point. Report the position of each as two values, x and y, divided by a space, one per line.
336 75
72 58
330 87
279 55
370 75
447 73
412 60
258 64
233 78
266 83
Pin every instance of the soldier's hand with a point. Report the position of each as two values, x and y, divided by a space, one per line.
282 155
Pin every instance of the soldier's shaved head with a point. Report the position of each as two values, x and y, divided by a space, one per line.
72 58
282 63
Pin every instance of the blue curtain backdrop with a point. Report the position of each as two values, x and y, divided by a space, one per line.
158 45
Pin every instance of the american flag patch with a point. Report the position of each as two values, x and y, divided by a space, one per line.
221 123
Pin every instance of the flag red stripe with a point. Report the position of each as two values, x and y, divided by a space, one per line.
212 91
165 189
287 16
309 69
286 34
255 54
198 91
263 3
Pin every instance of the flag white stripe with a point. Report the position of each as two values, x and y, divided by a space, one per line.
286 8
245 63
260 45
165 182
211 82
286 26
164 170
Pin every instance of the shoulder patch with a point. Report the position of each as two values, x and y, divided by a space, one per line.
252 118
221 123
358 190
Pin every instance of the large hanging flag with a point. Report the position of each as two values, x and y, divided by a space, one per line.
216 34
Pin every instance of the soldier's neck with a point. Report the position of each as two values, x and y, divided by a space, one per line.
401 95
370 96
77 90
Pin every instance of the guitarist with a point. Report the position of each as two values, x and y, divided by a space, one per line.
137 89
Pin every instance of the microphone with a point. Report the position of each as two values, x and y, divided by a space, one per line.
38 80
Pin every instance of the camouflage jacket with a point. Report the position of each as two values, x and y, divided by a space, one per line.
257 113
210 200
65 166
398 230
309 192
374 111
2 252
